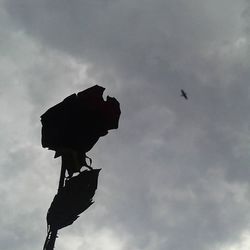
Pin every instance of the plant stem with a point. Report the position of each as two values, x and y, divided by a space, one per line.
52 233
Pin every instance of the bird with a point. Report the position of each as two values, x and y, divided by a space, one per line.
184 94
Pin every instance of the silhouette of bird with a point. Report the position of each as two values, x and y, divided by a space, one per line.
184 94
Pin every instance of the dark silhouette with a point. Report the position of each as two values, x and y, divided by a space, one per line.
74 198
184 94
71 128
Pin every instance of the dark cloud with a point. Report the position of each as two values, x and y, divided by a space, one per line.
137 39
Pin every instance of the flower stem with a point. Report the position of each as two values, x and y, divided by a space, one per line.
52 233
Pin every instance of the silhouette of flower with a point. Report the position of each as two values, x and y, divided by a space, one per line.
73 126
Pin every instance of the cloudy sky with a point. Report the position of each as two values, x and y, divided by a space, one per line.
175 175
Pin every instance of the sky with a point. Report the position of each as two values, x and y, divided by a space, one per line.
175 174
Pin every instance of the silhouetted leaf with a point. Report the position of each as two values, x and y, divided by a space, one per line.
74 198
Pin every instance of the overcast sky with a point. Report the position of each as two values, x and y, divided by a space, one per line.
175 175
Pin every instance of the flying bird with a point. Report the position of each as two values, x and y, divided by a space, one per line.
184 94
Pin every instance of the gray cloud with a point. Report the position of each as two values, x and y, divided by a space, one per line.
179 176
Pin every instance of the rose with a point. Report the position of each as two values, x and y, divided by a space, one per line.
73 126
